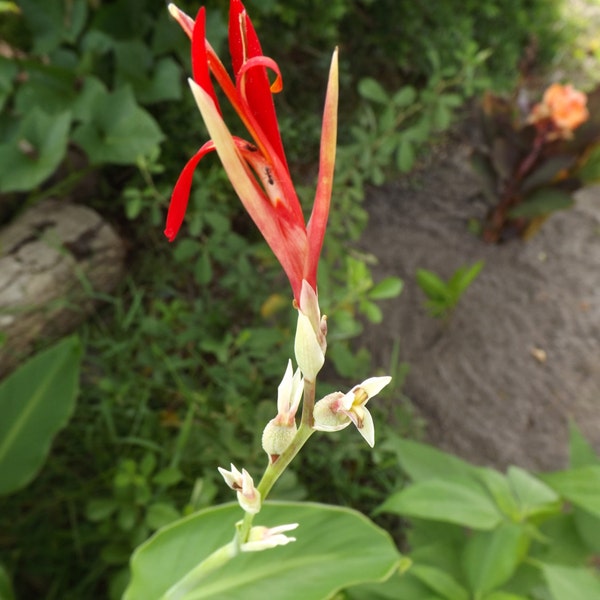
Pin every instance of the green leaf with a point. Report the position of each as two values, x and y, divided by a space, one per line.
405 96
442 116
119 131
48 86
588 528
36 401
6 588
405 155
483 168
99 509
571 583
399 586
581 452
542 202
421 461
462 502
55 22
390 287
532 494
372 90
463 278
500 489
504 596
335 548
91 92
9 6
546 173
168 477
371 311
35 152
160 514
440 582
8 72
589 173
580 486
490 558
433 286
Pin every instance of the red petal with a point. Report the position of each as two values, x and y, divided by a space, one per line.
320 213
181 192
244 45
200 58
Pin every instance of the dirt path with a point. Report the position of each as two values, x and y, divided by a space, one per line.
477 380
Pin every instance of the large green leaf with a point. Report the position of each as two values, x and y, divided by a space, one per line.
504 596
459 501
501 491
491 557
571 583
580 486
119 131
533 495
53 22
335 548
36 401
398 587
421 461
440 582
35 152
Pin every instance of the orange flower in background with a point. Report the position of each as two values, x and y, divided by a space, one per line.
564 106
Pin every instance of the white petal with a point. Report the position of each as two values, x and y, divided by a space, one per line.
284 391
374 385
368 428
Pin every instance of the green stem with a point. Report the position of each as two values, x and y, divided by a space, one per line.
274 471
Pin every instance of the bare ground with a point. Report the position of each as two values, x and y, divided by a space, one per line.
481 380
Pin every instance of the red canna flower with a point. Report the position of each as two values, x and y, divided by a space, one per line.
258 168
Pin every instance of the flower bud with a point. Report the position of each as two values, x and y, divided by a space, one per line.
310 343
248 496
276 438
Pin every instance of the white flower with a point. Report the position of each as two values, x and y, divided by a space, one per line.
336 411
280 431
263 538
248 496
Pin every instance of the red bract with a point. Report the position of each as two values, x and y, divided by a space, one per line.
257 169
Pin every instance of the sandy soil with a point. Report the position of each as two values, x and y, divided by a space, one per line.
481 381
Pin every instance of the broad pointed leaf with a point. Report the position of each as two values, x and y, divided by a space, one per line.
36 401
335 548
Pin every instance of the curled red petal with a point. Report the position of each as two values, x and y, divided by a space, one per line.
181 192
244 45
262 61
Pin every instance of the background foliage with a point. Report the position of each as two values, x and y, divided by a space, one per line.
182 362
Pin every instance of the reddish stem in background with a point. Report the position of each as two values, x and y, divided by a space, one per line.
498 217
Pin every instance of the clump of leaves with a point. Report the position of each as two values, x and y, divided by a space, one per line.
443 296
531 159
